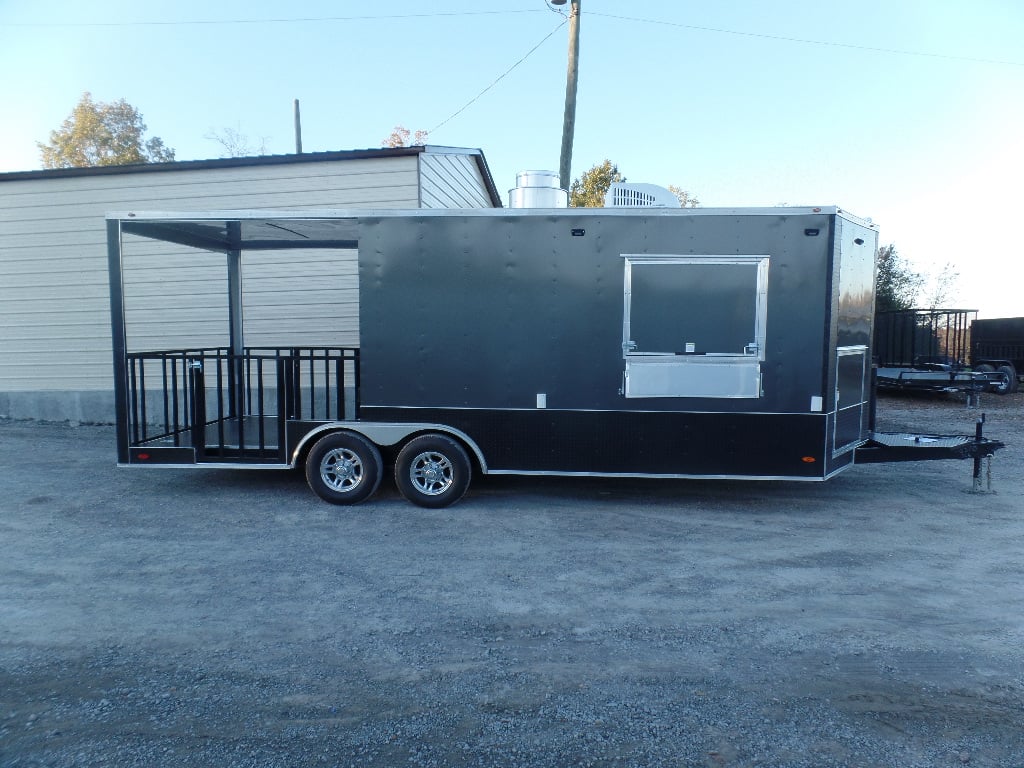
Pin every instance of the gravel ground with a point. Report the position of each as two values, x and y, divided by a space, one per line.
213 618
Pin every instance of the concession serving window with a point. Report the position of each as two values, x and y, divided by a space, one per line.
694 326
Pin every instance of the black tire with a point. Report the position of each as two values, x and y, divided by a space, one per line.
433 471
1011 383
992 386
344 468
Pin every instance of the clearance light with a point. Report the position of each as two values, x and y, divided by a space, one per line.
145 456
808 459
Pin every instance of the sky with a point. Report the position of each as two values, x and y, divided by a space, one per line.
907 112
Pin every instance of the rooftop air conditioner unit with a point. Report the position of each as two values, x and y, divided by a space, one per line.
623 195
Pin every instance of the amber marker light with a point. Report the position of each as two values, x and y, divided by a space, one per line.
808 459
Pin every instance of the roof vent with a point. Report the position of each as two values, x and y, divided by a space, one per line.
623 195
537 189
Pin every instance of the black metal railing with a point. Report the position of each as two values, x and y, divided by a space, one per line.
236 406
910 338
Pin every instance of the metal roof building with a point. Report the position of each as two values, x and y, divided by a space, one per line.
55 350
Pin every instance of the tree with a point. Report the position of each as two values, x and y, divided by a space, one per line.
588 190
896 284
686 200
942 286
236 143
99 133
400 138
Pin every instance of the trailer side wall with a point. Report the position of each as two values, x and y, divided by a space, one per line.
517 323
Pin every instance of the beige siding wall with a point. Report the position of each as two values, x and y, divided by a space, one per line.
452 181
178 300
54 304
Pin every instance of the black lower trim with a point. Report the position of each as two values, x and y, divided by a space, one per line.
630 442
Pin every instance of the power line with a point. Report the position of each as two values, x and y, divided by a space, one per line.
300 20
499 78
443 14
805 41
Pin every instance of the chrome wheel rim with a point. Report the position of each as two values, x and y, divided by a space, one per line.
341 470
431 473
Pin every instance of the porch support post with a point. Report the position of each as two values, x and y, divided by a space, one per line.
236 367
117 331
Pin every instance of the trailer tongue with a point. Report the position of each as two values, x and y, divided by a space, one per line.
688 343
905 446
889 447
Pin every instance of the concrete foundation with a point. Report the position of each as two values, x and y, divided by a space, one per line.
82 407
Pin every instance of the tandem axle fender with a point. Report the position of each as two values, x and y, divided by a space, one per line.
384 435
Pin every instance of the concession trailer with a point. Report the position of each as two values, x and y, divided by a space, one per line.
656 342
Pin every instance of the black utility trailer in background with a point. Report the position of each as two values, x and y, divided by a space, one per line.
948 350
997 345
613 342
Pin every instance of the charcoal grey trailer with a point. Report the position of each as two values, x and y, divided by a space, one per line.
614 342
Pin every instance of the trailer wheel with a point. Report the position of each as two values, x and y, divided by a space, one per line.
344 468
1009 385
999 387
1007 380
433 471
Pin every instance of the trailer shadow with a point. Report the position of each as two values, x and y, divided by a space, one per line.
497 492
752 494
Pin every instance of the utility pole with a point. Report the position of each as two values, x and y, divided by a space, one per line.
572 75
298 130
